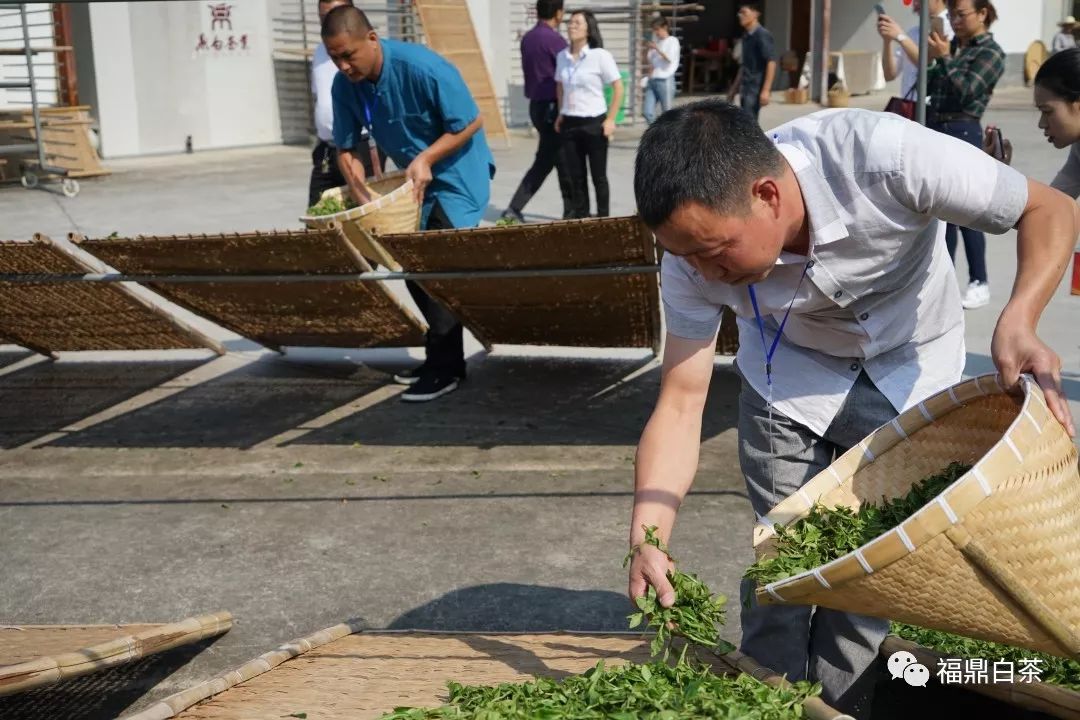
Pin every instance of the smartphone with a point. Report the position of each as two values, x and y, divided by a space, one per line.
880 9
999 144
937 24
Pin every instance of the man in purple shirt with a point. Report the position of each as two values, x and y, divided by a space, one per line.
539 47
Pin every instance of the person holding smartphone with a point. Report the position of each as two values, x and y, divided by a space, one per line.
900 54
960 80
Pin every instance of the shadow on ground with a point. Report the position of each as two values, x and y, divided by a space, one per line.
49 396
100 695
515 401
531 401
511 607
237 410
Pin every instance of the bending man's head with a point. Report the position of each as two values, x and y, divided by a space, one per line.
716 191
352 43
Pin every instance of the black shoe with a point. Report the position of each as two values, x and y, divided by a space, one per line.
429 387
410 376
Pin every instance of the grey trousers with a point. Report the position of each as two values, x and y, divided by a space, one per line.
807 643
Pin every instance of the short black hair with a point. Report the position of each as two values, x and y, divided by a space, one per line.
755 6
706 152
1060 74
659 22
546 9
345 19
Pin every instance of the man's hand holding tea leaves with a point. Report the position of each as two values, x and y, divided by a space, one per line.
695 615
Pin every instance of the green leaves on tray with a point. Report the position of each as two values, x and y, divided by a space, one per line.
656 691
826 534
1052 669
330 206
683 690
696 614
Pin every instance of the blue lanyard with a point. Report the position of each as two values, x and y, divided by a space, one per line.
369 109
770 351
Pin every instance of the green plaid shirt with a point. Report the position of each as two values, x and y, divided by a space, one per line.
964 82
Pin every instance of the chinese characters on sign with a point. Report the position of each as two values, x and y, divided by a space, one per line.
211 43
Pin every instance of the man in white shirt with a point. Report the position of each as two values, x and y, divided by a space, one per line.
900 56
325 172
823 236
664 50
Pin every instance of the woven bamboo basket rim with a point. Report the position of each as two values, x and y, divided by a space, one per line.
732 663
933 519
1053 700
404 189
50 669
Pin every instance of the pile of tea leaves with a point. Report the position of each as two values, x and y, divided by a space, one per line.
826 534
685 689
656 691
331 205
1052 669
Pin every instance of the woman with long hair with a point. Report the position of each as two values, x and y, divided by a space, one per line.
1057 97
586 122
961 77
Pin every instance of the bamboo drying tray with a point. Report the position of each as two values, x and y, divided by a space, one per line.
394 211
33 656
50 318
995 557
582 311
1052 700
346 314
341 673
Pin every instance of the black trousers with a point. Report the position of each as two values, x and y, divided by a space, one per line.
543 114
326 174
444 345
583 140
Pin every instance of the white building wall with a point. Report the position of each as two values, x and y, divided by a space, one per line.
154 88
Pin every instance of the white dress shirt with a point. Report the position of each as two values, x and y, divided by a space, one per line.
909 71
583 81
880 294
665 68
323 72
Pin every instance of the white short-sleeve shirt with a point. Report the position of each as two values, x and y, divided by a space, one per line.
909 71
880 293
583 81
665 68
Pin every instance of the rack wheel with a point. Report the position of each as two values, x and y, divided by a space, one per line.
29 180
70 187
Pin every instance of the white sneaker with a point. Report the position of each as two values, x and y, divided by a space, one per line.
977 295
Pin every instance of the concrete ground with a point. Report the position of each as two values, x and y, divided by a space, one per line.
297 492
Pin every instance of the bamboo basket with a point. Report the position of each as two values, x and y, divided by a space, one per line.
995 557
394 211
37 655
341 673
1052 700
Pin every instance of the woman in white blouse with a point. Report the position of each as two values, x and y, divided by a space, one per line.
586 121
